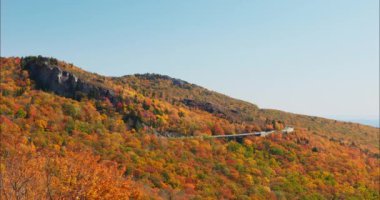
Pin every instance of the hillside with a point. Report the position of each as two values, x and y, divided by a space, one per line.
65 123
234 110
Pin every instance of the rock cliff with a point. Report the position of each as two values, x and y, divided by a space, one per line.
48 76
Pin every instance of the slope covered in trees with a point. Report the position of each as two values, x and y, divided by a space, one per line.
234 110
102 145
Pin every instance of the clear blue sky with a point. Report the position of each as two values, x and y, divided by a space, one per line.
311 57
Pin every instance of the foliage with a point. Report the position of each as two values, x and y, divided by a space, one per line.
60 148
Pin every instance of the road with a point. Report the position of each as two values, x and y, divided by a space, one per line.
240 135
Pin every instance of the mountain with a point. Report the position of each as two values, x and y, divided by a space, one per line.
234 110
68 133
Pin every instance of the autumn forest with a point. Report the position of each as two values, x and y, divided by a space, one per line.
71 134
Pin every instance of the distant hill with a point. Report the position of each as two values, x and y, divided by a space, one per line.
69 133
369 122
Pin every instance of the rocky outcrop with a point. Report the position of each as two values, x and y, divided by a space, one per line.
206 106
48 76
229 114
176 82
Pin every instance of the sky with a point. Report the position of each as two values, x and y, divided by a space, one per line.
317 58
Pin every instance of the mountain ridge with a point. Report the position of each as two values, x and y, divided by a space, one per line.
185 84
181 92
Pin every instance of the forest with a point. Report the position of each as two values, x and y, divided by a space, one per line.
101 140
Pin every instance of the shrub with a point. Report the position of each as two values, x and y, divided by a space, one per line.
276 151
20 113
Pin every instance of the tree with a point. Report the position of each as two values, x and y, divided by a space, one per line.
28 175
217 129
20 113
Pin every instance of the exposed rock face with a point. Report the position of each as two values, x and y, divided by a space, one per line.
49 76
177 82
206 106
232 115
